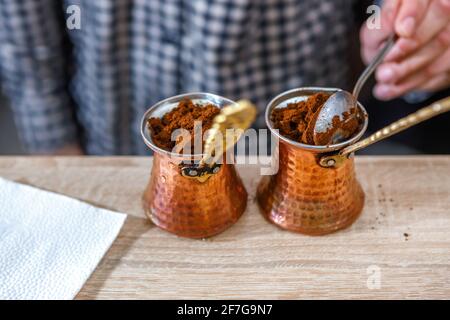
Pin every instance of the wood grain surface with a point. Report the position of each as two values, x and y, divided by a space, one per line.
404 233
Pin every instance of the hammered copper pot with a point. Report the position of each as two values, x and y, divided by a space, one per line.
187 206
303 196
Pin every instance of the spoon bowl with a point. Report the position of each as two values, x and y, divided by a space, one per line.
341 109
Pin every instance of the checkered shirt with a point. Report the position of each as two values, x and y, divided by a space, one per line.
92 85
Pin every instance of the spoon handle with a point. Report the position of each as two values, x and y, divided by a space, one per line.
239 117
422 115
373 65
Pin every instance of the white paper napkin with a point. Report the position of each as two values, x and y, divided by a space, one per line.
49 244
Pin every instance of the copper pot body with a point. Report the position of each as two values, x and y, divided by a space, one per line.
306 198
189 208
186 206
303 196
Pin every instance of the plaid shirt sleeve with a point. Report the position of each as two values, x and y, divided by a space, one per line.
33 73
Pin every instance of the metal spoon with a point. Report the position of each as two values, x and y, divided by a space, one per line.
437 108
343 104
238 117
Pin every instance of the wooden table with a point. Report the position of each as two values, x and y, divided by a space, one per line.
401 242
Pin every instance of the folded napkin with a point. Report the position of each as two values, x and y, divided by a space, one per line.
49 244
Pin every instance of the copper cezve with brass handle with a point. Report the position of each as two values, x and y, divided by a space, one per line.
180 200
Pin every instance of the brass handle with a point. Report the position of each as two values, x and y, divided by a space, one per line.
237 116
422 115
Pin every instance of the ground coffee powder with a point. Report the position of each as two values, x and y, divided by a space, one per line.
183 116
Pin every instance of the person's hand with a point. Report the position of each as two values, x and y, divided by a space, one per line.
69 150
420 60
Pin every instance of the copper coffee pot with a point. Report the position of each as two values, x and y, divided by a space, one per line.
315 191
180 200
304 196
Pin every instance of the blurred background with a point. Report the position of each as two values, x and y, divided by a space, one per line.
427 138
